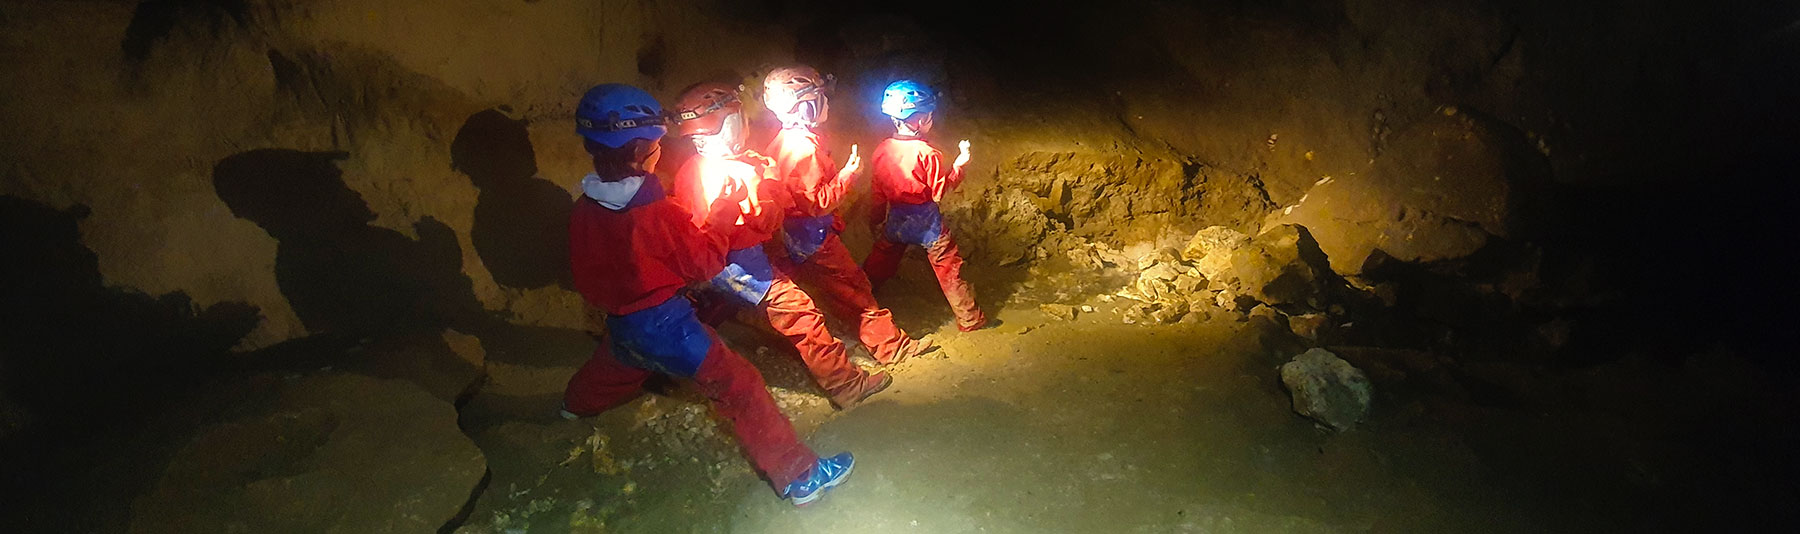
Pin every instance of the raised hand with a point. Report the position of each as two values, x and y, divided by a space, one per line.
963 158
732 192
851 166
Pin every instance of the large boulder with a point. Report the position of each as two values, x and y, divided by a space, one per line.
326 453
1327 389
1446 185
1213 238
1281 265
1010 227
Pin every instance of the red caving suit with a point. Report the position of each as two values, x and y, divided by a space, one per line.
752 275
810 237
631 261
910 178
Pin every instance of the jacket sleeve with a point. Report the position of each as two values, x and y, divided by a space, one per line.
693 252
953 178
774 196
685 193
811 175
832 188
931 172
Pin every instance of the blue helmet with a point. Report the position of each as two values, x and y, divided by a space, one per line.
613 114
903 98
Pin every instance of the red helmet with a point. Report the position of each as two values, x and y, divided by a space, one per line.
786 87
704 107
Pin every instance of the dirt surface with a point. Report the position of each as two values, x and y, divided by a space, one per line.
1093 425
195 191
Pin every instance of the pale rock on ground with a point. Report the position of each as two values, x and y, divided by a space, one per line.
1328 389
325 453
1282 265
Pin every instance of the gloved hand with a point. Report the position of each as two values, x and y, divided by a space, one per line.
772 198
731 192
963 158
725 209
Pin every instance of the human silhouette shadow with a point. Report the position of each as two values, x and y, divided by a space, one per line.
83 366
65 336
341 275
521 221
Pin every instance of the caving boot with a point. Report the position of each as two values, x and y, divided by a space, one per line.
855 392
826 474
912 348
566 414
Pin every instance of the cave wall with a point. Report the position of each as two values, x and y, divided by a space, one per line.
1109 122
1257 103
1296 90
126 108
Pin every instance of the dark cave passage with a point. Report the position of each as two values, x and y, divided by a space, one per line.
1295 266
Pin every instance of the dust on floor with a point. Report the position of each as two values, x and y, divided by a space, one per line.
1047 425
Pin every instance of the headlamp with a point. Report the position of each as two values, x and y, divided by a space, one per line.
622 124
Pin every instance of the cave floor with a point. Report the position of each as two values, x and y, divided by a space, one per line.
1044 425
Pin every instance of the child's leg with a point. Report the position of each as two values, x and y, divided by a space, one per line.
603 383
792 312
739 396
883 261
835 273
948 262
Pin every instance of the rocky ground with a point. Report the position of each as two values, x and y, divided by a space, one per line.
1081 413
1225 382
1524 248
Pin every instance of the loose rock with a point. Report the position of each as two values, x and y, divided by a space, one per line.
1061 312
1213 238
1282 265
1263 311
1327 389
1308 325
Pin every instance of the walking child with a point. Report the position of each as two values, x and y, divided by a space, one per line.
798 96
632 250
910 178
712 117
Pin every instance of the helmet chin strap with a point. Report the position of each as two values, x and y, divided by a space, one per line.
805 115
728 141
716 146
905 130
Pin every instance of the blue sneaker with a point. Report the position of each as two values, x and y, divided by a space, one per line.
829 472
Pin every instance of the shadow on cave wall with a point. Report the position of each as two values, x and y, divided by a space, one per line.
68 338
521 221
373 300
83 363
154 20
342 276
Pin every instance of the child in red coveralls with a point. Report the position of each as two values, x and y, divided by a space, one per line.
910 180
797 96
632 250
712 116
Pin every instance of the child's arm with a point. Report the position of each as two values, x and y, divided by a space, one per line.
699 252
942 181
772 201
831 194
955 178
